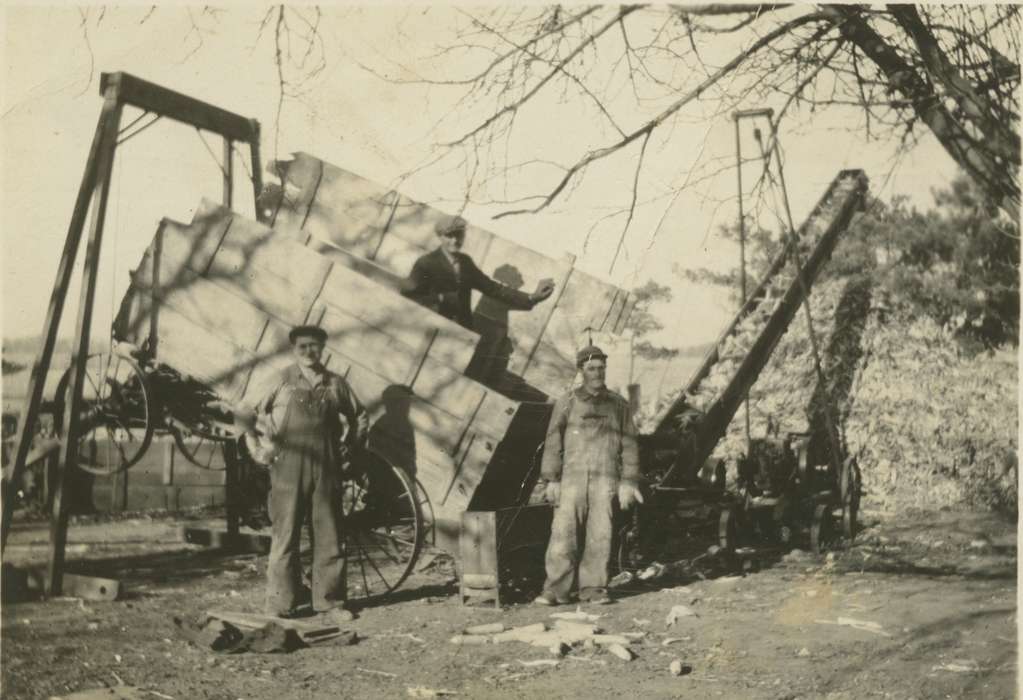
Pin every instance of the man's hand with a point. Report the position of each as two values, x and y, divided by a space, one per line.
553 492
628 493
544 288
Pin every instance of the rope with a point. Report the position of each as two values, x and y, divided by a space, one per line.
241 159
213 155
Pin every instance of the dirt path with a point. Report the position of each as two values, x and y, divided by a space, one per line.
927 607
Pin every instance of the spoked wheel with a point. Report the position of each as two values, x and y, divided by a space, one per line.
821 529
116 416
850 493
200 450
200 428
198 446
628 553
383 528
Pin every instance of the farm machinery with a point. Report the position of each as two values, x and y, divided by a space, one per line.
458 416
784 487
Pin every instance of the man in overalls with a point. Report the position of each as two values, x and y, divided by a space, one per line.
303 412
589 457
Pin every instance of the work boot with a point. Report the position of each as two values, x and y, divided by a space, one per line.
338 615
594 596
548 598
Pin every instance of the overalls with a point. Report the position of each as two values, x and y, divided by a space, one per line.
590 446
305 482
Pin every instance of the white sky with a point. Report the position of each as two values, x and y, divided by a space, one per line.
381 130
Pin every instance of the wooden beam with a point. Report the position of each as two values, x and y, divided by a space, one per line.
219 539
232 466
37 379
33 580
228 169
174 105
90 587
69 460
257 172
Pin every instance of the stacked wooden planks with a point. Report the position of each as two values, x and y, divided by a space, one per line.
381 233
215 300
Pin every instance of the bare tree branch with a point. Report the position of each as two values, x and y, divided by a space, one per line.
510 108
632 203
649 126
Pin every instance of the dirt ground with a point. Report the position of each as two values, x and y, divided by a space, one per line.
923 606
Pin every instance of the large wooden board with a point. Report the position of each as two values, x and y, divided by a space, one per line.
223 317
372 222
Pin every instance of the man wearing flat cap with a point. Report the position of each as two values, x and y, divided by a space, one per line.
590 456
443 280
309 417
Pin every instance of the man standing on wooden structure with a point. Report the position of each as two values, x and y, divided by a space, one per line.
443 280
590 456
311 417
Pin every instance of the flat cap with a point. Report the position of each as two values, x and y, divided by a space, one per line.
449 224
590 352
307 332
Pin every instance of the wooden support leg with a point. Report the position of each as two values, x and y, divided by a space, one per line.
257 172
228 172
231 487
69 458
37 378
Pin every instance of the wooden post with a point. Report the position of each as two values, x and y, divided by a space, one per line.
228 172
118 89
231 479
742 248
257 172
37 379
168 463
69 458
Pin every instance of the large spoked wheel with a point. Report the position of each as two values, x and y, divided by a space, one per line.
116 419
201 450
628 553
383 528
850 493
202 438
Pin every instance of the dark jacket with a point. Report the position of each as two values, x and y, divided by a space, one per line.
433 284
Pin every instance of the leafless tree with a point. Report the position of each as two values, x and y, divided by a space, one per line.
902 70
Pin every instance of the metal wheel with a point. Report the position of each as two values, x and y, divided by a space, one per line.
201 450
821 529
383 527
116 422
628 554
850 492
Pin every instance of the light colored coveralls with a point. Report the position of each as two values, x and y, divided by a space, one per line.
306 432
590 447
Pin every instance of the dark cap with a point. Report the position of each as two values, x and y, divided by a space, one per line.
449 224
307 332
590 352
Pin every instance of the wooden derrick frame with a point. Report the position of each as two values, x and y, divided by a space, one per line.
118 89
